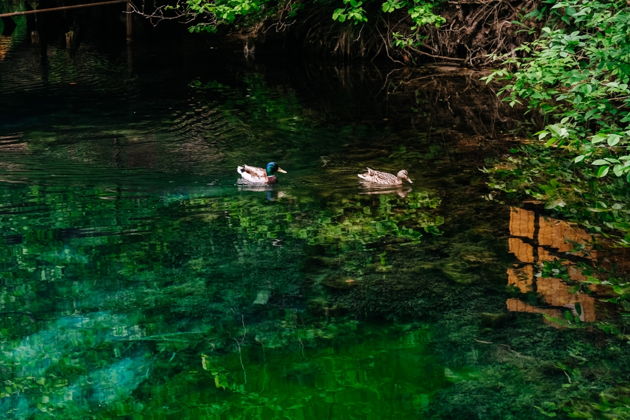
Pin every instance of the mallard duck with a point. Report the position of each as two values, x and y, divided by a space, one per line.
384 178
255 175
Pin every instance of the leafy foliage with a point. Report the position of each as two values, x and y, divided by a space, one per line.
225 12
252 15
420 12
577 74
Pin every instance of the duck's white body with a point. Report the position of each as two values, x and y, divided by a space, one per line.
253 174
256 175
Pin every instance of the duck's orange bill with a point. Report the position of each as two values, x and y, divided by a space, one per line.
282 171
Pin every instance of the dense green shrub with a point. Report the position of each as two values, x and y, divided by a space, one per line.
576 73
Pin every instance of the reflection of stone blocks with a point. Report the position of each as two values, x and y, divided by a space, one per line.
550 238
576 275
556 293
522 222
544 255
589 313
517 305
563 237
5 46
523 251
522 277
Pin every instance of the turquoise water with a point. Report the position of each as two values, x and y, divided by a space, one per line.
139 280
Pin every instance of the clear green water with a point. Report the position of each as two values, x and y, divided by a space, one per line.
138 280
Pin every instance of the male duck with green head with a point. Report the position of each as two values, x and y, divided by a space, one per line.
255 175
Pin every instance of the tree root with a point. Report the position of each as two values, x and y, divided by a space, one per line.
475 32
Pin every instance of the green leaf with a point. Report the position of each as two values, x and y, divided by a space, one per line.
598 138
613 139
602 171
551 141
339 15
599 162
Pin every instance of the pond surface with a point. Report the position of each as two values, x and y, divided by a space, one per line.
138 279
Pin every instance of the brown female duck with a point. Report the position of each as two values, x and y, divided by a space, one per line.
385 178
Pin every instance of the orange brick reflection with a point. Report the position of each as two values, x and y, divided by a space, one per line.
535 239
564 237
557 293
517 305
523 251
545 255
522 222
522 277
5 45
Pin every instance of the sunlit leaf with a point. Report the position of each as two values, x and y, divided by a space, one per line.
579 158
613 139
599 162
602 171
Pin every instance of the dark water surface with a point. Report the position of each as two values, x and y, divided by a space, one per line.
137 279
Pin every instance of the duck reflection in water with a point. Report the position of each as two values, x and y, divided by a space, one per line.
271 193
370 189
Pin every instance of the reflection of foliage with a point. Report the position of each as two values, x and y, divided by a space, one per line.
399 219
341 220
264 107
271 121
172 276
169 285
537 172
